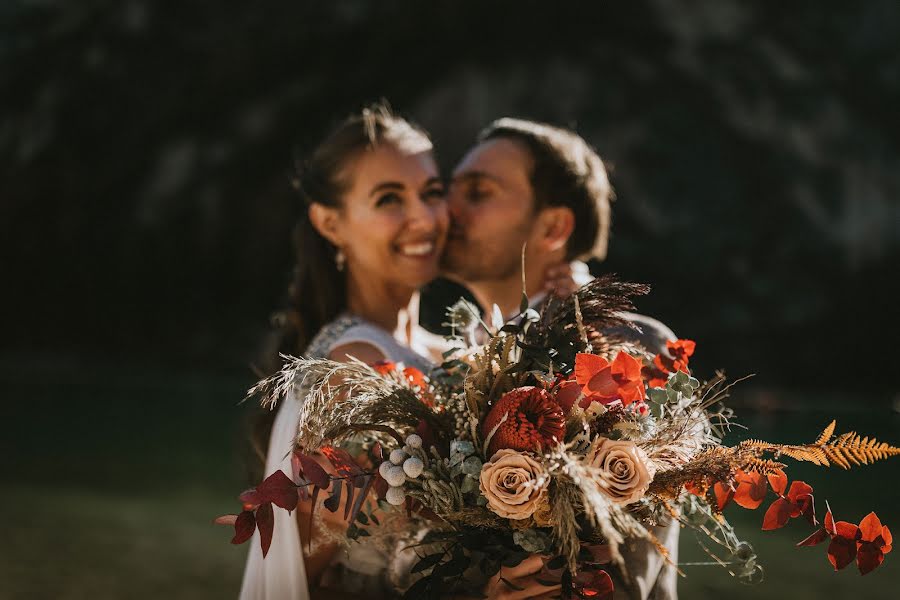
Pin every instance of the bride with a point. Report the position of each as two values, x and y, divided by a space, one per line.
372 235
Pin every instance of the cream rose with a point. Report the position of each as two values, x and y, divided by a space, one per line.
513 483
625 470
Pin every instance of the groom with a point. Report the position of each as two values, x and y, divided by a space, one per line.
532 184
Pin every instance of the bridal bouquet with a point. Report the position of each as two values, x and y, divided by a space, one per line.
559 436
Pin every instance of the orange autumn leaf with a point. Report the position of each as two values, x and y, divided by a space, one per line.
842 549
605 382
874 542
723 494
778 480
751 489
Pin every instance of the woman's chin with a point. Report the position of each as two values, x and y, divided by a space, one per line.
417 275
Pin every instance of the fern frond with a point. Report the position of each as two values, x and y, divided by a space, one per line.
764 466
846 450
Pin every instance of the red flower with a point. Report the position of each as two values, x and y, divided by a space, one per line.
415 377
680 351
526 418
384 367
605 382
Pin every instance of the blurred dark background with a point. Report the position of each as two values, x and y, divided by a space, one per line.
146 152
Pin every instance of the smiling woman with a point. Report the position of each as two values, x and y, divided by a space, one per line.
371 236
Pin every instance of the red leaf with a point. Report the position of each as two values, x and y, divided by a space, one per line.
846 530
751 489
295 466
226 520
778 480
841 552
341 460
594 584
313 471
868 558
244 525
280 490
799 490
251 497
723 494
334 501
363 494
870 527
265 522
817 537
778 515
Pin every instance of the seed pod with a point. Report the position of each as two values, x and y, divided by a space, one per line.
395 476
395 496
413 467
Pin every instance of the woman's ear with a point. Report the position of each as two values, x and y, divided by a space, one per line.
325 220
557 225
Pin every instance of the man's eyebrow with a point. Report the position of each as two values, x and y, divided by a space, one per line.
475 175
385 186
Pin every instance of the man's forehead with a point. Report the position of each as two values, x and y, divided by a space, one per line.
500 159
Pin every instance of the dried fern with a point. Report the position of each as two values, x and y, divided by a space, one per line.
844 451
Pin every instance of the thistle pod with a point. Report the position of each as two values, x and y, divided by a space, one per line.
414 441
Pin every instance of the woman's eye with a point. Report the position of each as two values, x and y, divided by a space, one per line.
387 199
435 193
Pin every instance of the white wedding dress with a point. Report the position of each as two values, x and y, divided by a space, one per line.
281 575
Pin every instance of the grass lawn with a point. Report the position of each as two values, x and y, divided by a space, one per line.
111 478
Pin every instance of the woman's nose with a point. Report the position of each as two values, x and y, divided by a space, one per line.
426 215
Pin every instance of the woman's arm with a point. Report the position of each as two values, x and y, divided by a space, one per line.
318 562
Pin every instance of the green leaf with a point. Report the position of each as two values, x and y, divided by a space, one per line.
523 303
472 466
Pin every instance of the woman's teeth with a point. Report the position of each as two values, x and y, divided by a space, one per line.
422 249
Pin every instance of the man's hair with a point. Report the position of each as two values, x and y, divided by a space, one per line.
566 172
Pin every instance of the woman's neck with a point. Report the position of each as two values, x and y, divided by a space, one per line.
391 307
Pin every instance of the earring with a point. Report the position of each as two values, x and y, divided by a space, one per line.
339 259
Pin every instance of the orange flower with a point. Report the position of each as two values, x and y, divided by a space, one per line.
526 418
681 351
605 382
384 367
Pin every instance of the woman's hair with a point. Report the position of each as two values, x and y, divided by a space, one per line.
317 291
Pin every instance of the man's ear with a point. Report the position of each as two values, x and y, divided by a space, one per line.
325 220
557 224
